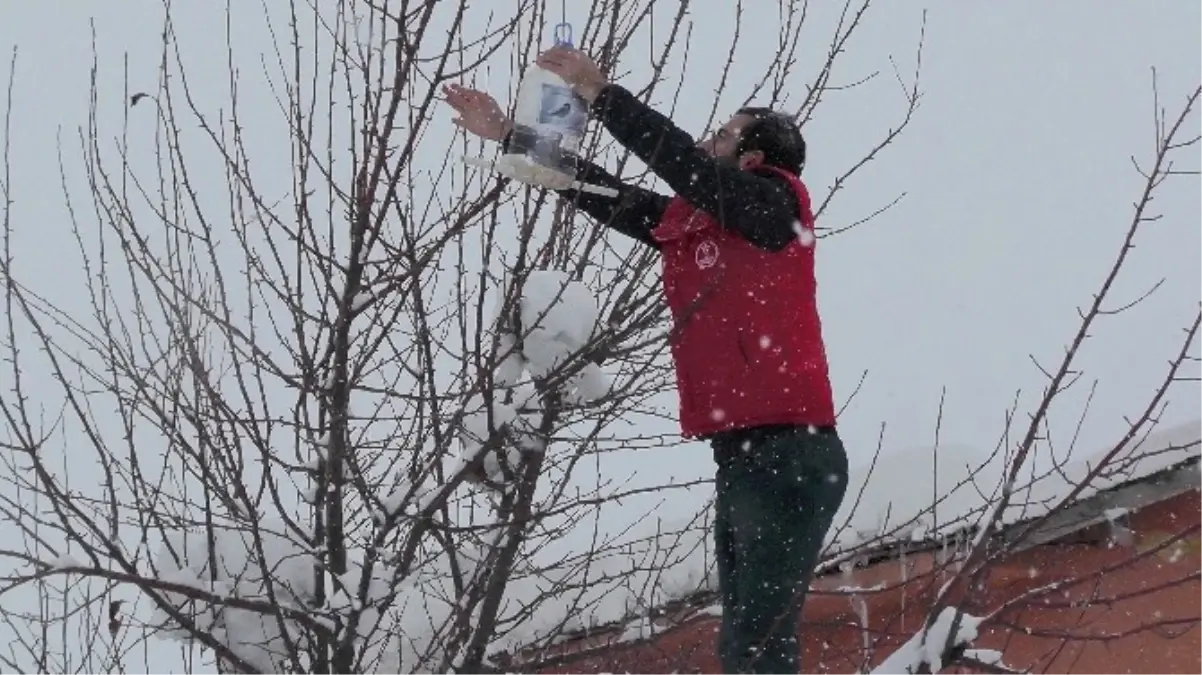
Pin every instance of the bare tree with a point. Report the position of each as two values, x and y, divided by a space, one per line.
296 424
960 609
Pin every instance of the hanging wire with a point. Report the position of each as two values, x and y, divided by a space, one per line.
563 31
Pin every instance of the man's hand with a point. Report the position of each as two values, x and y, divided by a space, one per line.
478 112
576 68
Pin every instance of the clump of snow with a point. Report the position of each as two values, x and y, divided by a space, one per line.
927 646
481 421
232 567
63 562
1114 514
641 628
805 235
590 384
508 372
328 381
557 318
990 656
406 493
282 573
360 300
185 557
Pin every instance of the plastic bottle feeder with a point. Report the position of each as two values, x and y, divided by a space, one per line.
547 134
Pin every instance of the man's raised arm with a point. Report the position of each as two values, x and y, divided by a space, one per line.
635 212
761 207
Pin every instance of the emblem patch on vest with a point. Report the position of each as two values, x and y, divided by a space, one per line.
706 254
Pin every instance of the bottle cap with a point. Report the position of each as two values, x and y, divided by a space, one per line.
563 34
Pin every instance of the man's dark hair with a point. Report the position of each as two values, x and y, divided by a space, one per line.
776 135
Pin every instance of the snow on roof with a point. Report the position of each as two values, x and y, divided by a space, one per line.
548 600
889 502
930 494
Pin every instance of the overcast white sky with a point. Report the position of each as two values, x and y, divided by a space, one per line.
1017 172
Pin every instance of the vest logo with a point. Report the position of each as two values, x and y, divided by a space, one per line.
706 254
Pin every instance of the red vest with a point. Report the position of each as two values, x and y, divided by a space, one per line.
747 341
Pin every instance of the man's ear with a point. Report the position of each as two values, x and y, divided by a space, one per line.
750 160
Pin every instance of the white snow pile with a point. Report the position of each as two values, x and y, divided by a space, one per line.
899 491
804 234
231 569
64 562
558 319
928 645
404 622
399 619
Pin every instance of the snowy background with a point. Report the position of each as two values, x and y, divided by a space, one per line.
1018 187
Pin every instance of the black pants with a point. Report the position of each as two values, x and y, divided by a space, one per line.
777 491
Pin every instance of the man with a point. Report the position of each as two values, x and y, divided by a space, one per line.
738 267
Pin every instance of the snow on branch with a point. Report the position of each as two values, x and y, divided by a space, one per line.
249 564
929 649
546 338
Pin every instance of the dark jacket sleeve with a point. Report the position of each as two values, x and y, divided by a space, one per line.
759 206
635 212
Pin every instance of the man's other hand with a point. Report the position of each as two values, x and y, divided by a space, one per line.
576 68
478 112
